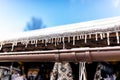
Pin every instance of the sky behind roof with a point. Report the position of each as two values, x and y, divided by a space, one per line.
14 14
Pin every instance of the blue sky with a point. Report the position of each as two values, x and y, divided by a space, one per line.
14 14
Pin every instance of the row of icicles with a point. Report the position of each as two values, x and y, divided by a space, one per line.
58 40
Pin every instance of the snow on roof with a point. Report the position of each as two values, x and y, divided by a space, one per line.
82 28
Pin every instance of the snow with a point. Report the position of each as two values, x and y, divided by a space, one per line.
71 30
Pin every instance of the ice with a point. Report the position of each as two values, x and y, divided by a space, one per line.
85 38
96 36
12 47
80 36
117 36
1 44
55 41
101 35
73 40
63 40
89 36
52 40
69 39
77 37
108 38
36 41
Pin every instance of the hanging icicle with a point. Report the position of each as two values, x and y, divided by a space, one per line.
63 40
55 42
108 38
69 39
90 35
32 41
78 37
36 41
96 36
82 71
1 45
42 40
52 40
73 40
60 39
46 40
101 36
12 47
82 36
85 38
26 43
117 36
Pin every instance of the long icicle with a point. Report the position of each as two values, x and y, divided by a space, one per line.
73 40
96 36
63 40
101 35
85 38
108 38
1 44
90 35
117 36
69 39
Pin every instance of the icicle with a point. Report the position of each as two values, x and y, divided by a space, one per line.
117 36
89 36
12 47
1 44
33 42
27 42
55 41
96 36
108 39
69 39
80 36
15 43
77 37
60 40
42 40
85 38
63 40
52 40
46 42
36 41
73 40
101 35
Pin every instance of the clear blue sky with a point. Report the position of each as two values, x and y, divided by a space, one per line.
14 14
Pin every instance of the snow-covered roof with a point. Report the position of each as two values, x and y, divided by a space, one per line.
83 28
